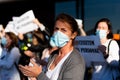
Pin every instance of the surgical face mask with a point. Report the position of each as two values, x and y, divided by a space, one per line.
101 33
3 41
59 39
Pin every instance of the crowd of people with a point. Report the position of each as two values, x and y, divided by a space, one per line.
45 55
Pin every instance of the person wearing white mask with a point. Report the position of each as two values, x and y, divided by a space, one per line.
9 58
107 70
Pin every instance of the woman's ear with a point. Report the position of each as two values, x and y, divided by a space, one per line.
74 35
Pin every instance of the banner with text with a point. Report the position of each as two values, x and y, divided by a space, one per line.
22 24
87 46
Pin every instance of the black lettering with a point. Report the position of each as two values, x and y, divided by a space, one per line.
84 42
89 50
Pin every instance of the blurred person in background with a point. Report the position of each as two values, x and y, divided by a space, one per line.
48 50
23 42
2 33
32 44
10 57
107 70
35 49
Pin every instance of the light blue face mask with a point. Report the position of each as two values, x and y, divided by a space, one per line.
101 33
59 39
3 41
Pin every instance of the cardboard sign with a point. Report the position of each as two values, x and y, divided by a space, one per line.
88 48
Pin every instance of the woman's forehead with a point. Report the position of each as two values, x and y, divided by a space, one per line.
103 25
61 24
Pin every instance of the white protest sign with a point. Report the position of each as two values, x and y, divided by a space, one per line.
87 46
11 28
15 18
79 22
24 23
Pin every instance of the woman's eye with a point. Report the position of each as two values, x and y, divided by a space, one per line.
56 29
64 30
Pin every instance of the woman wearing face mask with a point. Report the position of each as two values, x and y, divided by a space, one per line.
9 58
106 70
66 63
2 33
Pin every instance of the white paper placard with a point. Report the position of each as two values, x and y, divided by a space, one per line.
22 24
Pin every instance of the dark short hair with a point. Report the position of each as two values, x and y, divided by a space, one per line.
41 38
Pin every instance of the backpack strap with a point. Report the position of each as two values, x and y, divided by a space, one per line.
107 54
109 46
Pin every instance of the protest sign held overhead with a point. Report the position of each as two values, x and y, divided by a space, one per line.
22 24
88 48
11 28
25 23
